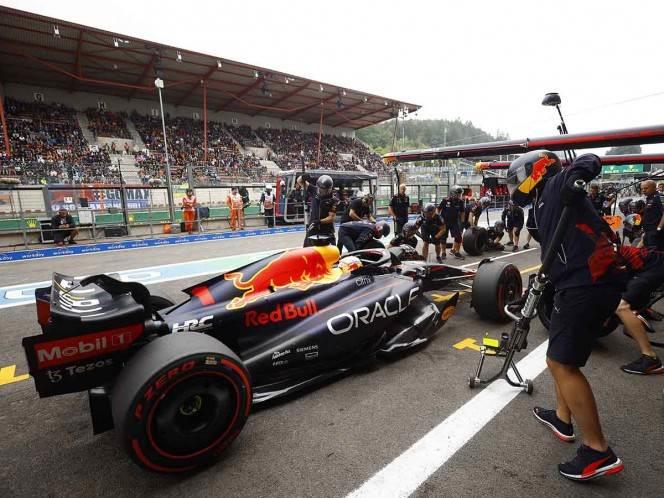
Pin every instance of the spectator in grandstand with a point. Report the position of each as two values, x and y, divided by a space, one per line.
189 205
236 207
513 218
360 209
399 207
267 205
63 227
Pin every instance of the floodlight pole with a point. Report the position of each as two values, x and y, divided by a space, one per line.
159 83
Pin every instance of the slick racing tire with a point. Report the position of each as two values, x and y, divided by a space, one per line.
180 401
495 284
475 240
545 308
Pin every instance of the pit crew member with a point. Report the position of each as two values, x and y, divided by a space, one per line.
587 278
451 210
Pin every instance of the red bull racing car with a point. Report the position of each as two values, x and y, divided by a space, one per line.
177 382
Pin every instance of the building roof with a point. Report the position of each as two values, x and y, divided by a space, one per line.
49 52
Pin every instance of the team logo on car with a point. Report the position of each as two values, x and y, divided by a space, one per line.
286 311
298 269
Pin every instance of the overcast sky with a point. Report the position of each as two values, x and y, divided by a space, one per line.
486 61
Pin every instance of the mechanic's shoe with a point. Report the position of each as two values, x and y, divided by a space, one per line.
510 243
515 248
562 430
458 255
72 242
439 259
644 365
526 246
589 464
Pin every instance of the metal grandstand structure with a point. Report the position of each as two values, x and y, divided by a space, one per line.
49 52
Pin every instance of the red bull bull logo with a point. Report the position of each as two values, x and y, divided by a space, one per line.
297 269
539 170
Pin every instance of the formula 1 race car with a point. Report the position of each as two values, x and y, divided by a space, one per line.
177 382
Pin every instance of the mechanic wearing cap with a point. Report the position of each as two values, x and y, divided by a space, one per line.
359 209
647 269
267 205
355 235
653 217
588 277
451 209
407 236
512 217
399 207
323 210
63 226
432 228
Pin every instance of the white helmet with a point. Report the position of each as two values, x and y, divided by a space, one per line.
349 264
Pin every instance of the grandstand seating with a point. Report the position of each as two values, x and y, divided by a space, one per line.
107 124
48 146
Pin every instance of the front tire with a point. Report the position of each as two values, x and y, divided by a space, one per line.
495 284
180 401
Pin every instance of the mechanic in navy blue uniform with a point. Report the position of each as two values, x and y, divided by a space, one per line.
475 210
359 209
63 226
451 210
588 277
354 235
432 231
513 218
322 211
646 267
399 207
653 217
407 236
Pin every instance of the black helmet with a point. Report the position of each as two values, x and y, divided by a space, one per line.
409 229
624 205
499 226
429 207
637 206
484 201
381 229
632 221
529 172
456 190
324 184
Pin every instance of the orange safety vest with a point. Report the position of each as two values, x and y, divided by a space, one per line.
236 201
189 203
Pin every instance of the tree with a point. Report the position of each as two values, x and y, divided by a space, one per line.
624 149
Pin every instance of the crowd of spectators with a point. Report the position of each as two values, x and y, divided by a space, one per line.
48 146
107 124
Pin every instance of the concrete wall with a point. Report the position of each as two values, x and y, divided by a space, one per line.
83 100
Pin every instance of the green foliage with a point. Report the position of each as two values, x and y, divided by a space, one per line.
424 133
624 149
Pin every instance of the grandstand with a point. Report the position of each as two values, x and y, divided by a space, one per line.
79 106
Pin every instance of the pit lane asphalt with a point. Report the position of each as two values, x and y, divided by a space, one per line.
330 440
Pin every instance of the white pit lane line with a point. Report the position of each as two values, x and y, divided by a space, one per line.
413 467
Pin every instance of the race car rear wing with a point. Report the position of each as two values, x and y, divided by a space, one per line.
89 328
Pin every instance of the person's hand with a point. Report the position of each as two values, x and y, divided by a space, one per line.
570 193
314 226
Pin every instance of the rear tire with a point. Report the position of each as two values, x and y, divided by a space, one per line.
180 401
495 284
475 240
